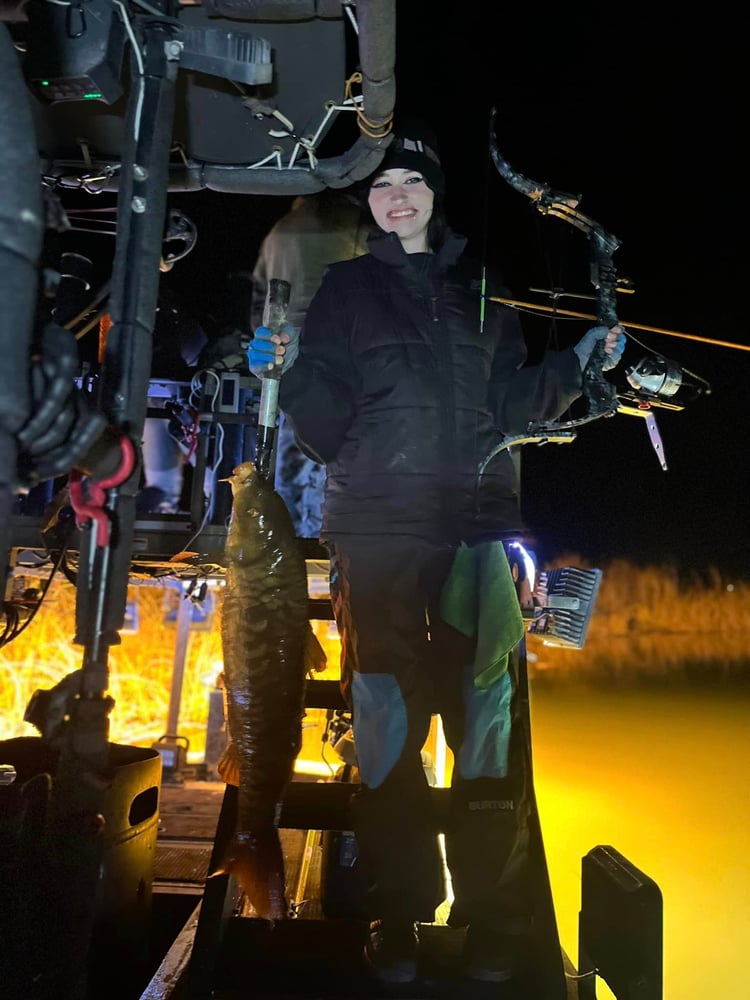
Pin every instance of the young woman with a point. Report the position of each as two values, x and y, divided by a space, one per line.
401 391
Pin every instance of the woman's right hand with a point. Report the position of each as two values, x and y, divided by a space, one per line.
273 352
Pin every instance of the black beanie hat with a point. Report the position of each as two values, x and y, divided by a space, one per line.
415 147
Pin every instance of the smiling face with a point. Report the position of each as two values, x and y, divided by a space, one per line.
401 202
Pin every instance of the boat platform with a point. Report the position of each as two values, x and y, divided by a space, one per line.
221 954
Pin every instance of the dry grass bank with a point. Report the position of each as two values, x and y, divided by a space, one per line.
646 625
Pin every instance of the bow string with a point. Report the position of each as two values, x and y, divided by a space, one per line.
600 395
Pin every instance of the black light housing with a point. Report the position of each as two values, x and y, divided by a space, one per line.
620 928
74 52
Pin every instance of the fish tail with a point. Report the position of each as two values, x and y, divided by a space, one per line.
256 860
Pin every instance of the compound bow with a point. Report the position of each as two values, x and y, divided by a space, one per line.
599 393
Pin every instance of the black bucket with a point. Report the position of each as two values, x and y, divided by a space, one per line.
67 936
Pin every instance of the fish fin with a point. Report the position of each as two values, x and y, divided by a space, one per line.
228 767
315 656
256 860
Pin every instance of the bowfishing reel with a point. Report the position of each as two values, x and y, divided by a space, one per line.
660 381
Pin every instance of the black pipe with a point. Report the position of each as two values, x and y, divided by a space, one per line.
84 770
377 56
197 175
126 368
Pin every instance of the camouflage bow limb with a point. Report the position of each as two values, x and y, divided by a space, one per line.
600 395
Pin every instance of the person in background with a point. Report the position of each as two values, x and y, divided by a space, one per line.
318 230
195 354
402 390
178 339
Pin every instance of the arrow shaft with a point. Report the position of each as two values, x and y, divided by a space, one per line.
634 326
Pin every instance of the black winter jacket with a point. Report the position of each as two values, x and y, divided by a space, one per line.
398 392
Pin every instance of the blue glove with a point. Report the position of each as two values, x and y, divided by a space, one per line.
262 354
585 346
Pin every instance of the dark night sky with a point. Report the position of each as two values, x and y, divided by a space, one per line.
641 116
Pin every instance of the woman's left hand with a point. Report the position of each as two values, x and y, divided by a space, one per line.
614 344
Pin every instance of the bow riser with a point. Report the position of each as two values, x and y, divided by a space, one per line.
600 395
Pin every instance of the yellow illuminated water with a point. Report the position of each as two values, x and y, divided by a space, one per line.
661 776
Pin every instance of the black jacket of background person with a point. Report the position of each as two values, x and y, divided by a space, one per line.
398 392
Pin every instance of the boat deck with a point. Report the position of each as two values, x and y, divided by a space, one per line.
216 952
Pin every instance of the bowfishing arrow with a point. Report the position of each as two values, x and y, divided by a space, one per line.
536 307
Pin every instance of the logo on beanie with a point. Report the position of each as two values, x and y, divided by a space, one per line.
420 155
417 146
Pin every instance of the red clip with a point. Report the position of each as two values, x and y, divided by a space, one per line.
93 508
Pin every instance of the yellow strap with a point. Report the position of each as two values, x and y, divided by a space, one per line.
375 130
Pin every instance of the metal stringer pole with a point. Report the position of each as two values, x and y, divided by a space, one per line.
77 823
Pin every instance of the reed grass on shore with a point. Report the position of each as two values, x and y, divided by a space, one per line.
648 626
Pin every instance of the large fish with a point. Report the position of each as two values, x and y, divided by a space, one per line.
265 631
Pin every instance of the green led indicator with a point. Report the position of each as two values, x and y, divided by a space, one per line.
93 96
44 83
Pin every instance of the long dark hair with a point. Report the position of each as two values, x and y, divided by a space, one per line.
437 227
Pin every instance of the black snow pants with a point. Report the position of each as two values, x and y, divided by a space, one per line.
400 665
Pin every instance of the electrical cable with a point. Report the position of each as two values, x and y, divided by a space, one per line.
139 63
13 627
